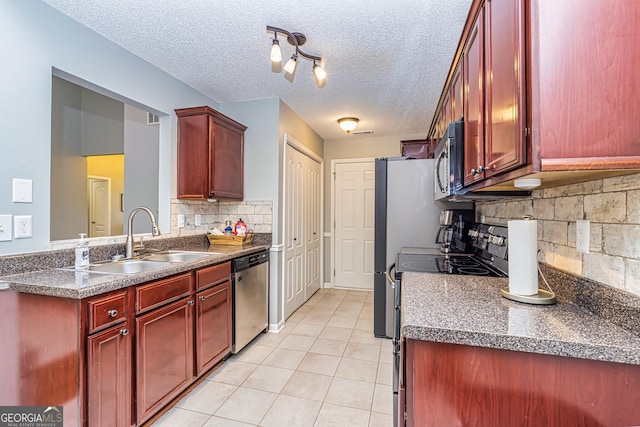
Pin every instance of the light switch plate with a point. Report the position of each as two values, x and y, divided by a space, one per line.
6 231
22 190
180 221
198 220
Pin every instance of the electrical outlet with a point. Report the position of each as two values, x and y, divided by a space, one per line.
22 225
582 236
5 228
198 220
180 221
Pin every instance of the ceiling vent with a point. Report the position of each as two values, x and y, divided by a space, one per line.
152 119
362 132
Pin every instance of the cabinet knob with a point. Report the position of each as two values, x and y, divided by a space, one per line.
112 313
202 298
190 302
124 332
480 169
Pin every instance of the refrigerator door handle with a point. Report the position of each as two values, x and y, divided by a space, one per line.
388 274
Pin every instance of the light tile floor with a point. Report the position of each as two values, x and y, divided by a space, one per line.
325 368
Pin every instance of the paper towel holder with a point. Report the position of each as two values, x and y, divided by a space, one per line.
543 297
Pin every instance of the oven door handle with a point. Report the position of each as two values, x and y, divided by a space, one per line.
388 274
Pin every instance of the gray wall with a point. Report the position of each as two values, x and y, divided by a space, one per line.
38 41
102 124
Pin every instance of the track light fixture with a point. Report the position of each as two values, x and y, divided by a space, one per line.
296 40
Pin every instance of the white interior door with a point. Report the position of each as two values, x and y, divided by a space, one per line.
99 206
312 227
354 224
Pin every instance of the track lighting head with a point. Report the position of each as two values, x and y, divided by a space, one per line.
296 40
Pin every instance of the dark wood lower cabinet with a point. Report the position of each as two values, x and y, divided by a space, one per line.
109 377
457 385
164 359
213 326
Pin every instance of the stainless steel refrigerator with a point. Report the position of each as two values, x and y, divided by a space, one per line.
406 215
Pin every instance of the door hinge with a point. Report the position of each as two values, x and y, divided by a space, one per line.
334 271
527 131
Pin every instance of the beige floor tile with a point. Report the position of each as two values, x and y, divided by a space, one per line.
342 322
225 422
329 347
380 420
357 296
319 364
334 333
341 416
268 378
366 314
364 325
297 342
247 405
307 385
385 374
178 417
361 370
349 313
255 353
364 337
316 319
351 393
283 358
288 326
291 411
359 351
382 399
386 354
307 330
350 305
232 372
207 397
297 316
270 340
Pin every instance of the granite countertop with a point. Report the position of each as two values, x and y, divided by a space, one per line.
469 310
82 284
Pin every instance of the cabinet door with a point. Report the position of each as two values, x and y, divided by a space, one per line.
193 146
457 96
474 104
505 144
164 360
109 377
226 157
213 326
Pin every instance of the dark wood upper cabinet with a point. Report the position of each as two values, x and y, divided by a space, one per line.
504 86
210 155
457 93
547 88
474 103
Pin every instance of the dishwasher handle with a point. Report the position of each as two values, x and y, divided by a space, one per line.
388 274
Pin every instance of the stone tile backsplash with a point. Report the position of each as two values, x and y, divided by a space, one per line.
258 215
612 205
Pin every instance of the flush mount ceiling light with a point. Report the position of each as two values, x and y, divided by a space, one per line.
296 40
348 124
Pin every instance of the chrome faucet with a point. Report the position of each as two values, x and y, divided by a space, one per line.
154 228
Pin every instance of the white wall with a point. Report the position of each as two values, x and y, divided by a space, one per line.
35 39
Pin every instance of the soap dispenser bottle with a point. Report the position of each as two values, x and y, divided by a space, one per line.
82 253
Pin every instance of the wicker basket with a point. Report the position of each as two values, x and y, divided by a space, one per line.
230 240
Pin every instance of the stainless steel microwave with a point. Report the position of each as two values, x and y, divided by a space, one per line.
449 162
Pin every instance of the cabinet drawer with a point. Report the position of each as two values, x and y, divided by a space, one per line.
212 275
106 311
158 293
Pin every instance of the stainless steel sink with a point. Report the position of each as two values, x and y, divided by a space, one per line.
125 266
177 256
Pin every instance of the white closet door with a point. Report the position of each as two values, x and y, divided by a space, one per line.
312 227
354 224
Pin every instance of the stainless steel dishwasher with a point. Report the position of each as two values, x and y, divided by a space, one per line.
250 298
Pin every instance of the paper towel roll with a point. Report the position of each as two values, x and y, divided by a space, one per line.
523 257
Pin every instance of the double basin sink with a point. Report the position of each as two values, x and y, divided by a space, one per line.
146 262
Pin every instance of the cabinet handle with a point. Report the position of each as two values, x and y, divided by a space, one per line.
202 298
124 332
190 302
479 171
112 313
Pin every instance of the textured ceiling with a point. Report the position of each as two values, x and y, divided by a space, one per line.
386 61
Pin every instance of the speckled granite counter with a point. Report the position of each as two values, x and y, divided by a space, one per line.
82 284
469 310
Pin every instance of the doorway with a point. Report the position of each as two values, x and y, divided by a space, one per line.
353 198
99 190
